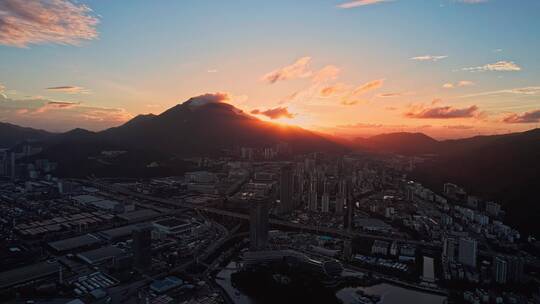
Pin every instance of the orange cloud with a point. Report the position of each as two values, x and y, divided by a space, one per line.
298 69
527 117
329 72
354 96
332 90
274 113
24 22
442 112
59 115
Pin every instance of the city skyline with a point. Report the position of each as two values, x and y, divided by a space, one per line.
461 68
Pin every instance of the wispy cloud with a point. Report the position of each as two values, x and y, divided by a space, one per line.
2 89
529 91
327 73
355 96
332 90
58 115
358 3
499 66
472 1
394 94
441 112
24 22
299 69
429 58
69 89
459 127
275 113
462 83
527 117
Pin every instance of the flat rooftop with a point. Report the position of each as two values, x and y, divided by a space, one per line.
119 232
75 242
139 215
28 273
172 222
101 254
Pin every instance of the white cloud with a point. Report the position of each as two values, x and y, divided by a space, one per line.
499 66
528 91
69 89
461 83
429 57
472 1
358 3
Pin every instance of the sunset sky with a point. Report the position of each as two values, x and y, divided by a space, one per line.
448 68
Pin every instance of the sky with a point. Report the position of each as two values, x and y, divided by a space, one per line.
447 68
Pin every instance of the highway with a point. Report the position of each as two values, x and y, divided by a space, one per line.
339 233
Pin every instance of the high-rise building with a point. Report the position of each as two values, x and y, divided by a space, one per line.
258 224
325 202
348 221
409 193
142 247
515 269
450 246
313 204
341 197
467 251
500 270
493 209
286 185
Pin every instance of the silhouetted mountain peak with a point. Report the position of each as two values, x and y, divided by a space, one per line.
140 118
400 142
11 134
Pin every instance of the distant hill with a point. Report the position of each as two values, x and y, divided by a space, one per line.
10 134
399 143
504 168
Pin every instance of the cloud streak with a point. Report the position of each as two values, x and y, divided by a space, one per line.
442 112
358 3
58 115
527 117
24 22
275 113
462 83
299 69
356 94
69 90
527 91
429 58
499 66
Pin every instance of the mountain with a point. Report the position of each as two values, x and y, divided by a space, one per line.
399 143
206 128
12 134
201 126
502 168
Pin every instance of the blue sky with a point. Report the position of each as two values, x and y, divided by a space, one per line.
146 56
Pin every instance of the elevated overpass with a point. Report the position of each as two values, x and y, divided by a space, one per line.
182 206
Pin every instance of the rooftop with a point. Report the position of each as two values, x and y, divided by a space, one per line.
75 242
